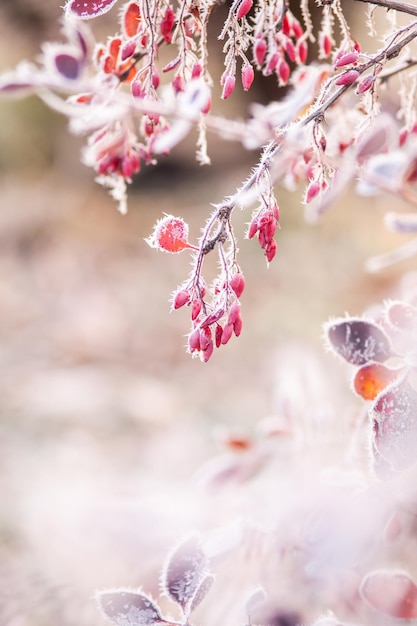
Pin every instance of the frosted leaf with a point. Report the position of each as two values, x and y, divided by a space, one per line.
185 569
87 9
128 608
390 593
358 341
394 415
257 597
201 592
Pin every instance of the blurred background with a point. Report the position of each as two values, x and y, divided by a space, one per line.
104 419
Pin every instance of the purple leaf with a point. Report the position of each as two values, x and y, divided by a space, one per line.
394 415
185 570
67 65
128 608
16 88
87 9
358 341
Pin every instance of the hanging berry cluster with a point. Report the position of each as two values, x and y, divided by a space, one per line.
138 94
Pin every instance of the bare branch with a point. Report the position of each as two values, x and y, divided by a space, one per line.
393 5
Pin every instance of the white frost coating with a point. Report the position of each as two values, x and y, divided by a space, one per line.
395 426
185 569
88 9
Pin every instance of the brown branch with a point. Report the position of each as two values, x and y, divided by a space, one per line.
394 5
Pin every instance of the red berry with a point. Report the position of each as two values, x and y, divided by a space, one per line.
181 298
170 234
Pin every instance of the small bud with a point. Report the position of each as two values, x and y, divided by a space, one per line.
229 83
326 45
247 76
253 228
262 238
205 338
233 313
237 283
218 335
244 8
208 352
302 51
226 334
286 24
271 250
283 72
259 51
194 341
272 63
290 50
270 228
237 325
195 309
181 298
347 78
155 77
297 29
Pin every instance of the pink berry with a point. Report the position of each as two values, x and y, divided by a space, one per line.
244 8
253 228
194 340
259 51
346 59
347 78
237 325
302 51
237 283
195 309
365 84
233 313
226 334
229 83
248 76
208 352
181 298
271 250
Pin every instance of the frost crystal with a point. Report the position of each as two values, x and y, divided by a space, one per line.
128 608
358 341
184 572
395 424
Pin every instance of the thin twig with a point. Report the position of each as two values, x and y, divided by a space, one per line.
393 5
